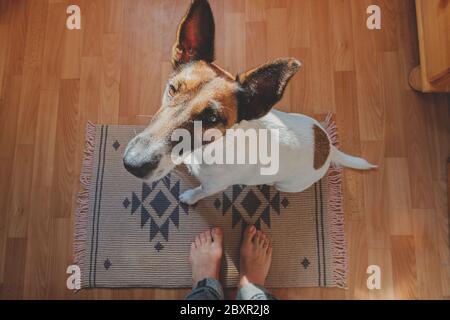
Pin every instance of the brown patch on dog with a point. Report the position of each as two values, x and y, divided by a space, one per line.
218 94
201 92
201 85
321 147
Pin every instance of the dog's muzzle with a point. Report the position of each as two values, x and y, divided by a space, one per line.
141 169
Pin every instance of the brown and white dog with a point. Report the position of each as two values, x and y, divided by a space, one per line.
199 90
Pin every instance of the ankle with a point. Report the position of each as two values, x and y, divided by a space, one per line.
245 280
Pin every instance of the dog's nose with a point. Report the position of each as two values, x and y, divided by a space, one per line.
141 169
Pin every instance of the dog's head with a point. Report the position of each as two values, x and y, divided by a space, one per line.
199 90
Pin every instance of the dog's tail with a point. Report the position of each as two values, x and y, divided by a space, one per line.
345 160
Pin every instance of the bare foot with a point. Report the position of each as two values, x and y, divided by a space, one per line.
256 256
206 255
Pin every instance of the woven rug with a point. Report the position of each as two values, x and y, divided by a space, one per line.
129 233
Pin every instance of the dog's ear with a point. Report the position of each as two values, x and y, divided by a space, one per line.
195 35
263 87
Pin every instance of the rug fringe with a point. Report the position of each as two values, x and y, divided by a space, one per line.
336 212
81 212
330 127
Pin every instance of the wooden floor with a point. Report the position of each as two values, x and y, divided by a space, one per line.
52 80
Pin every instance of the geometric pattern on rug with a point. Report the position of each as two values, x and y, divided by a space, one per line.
153 203
252 205
247 205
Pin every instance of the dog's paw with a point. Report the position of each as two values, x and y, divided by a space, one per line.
189 197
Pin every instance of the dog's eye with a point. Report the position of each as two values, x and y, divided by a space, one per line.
172 90
210 116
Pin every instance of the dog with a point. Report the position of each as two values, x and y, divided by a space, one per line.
200 90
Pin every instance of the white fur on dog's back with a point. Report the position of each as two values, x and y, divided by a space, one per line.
296 157
345 160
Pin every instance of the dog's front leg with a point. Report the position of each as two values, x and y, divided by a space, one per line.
192 196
